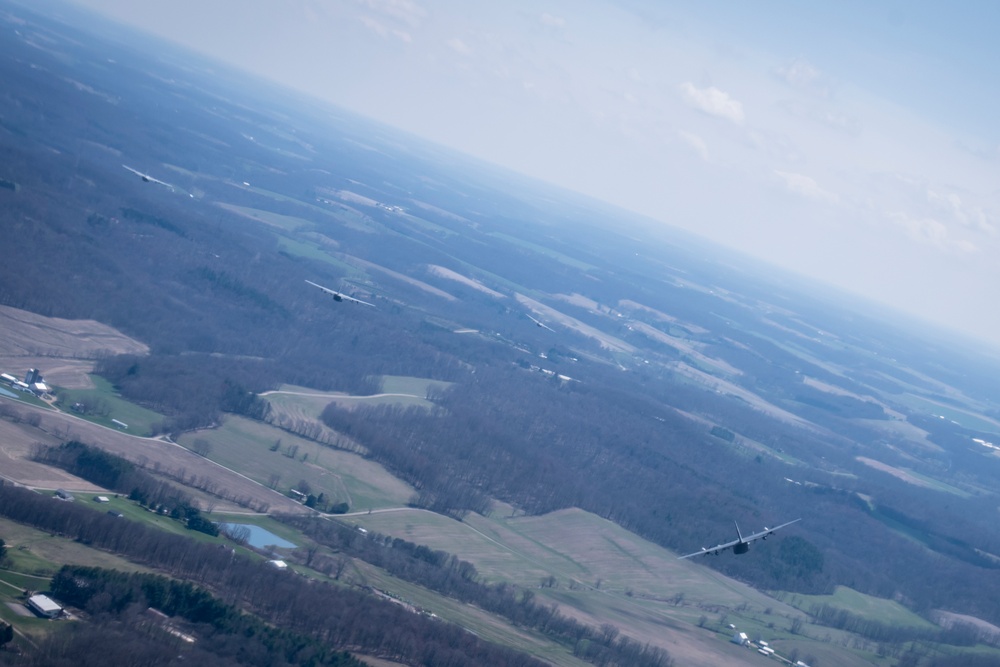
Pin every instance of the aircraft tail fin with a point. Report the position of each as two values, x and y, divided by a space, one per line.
738 533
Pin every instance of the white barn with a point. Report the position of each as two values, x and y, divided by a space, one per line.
44 606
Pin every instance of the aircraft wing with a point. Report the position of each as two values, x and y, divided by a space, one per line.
147 177
767 531
542 325
340 297
714 550
742 540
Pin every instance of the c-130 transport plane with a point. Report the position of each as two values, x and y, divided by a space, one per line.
146 178
338 296
741 545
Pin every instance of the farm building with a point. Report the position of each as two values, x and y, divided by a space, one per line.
44 606
740 638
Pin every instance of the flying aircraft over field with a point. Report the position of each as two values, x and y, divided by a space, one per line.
146 178
337 296
540 324
741 545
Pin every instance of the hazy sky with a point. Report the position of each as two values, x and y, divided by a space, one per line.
857 142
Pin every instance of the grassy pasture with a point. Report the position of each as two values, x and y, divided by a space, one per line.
545 251
402 384
884 611
288 223
140 420
427 226
245 446
37 553
605 574
963 417
307 249
479 622
584 552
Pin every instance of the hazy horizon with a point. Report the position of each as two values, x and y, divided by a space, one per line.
850 144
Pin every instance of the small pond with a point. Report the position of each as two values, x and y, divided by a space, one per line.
259 537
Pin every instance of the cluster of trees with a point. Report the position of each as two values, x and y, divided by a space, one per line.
542 445
958 634
115 473
453 577
6 633
333 616
219 627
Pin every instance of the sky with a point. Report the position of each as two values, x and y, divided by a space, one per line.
856 142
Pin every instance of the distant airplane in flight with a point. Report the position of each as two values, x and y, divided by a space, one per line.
540 324
338 296
146 178
741 545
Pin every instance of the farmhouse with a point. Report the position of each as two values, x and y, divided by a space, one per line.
63 494
44 606
740 638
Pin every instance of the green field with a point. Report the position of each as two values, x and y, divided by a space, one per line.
545 251
964 418
402 384
884 611
584 552
246 446
604 574
286 222
140 420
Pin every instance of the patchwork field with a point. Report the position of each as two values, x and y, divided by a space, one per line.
888 612
63 350
601 573
273 457
157 455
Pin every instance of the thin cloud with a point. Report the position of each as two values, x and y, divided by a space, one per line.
712 101
404 11
930 231
952 206
459 46
798 73
383 30
695 142
805 186
552 21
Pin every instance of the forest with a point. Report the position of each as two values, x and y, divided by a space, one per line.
314 617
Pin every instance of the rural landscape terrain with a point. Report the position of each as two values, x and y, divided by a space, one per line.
496 459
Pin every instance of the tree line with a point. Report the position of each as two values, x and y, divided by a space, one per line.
448 575
117 474
334 616
543 445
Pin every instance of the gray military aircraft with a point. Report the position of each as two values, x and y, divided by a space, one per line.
741 544
338 296
146 178
540 324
